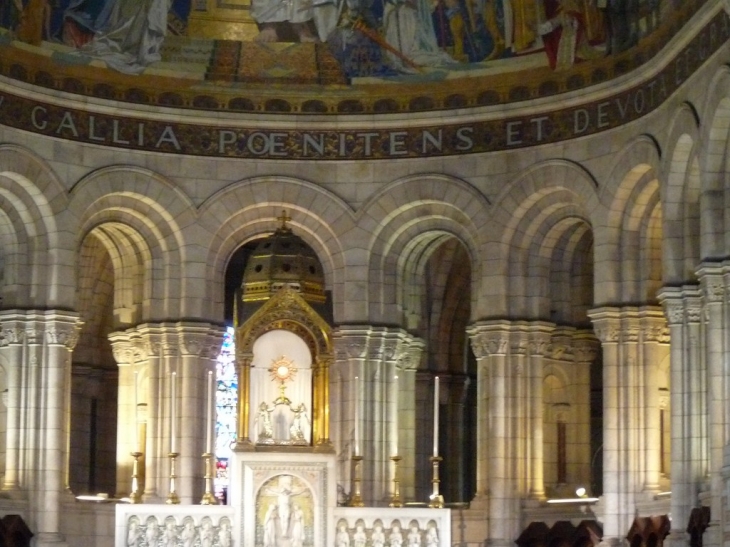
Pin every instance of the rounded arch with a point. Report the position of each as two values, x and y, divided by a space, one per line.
32 202
680 193
138 219
404 223
628 228
536 214
713 166
250 209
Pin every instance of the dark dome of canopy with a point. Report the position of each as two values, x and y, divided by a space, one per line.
283 260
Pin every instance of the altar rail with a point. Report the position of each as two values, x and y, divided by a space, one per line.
149 525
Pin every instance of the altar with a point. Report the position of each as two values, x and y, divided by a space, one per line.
281 499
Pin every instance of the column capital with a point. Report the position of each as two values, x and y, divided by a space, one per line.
489 338
606 324
585 347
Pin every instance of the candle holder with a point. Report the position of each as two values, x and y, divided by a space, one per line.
208 497
172 497
436 499
395 500
356 496
135 495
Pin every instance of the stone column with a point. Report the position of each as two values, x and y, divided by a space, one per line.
61 335
154 458
714 291
652 324
681 310
351 347
585 351
540 338
519 402
193 365
409 363
607 327
126 415
490 342
13 338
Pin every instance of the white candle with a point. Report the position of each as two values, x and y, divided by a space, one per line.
209 416
436 418
357 416
173 412
136 417
395 415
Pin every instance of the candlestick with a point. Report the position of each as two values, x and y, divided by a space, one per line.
436 500
208 496
135 495
355 493
172 497
395 499
436 418
357 416
173 413
209 415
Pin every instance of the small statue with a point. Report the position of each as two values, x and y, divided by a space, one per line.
224 534
206 534
266 428
414 537
153 531
169 537
378 537
299 422
396 538
188 534
135 534
343 538
432 537
359 537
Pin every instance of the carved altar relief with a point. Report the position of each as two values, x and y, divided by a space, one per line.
284 513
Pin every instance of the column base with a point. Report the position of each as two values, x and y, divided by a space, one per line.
50 540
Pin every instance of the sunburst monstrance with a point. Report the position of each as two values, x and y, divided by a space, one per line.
282 370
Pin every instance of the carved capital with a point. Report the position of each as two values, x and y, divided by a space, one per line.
62 335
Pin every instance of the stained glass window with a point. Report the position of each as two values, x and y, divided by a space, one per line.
226 397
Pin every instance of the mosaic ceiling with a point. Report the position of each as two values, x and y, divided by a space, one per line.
331 56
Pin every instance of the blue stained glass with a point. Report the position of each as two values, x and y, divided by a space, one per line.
226 398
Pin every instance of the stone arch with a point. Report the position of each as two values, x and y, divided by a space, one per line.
139 218
404 223
31 202
628 226
249 209
714 168
535 215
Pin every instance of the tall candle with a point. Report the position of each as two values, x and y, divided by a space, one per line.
173 412
436 418
136 417
395 415
209 416
357 416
